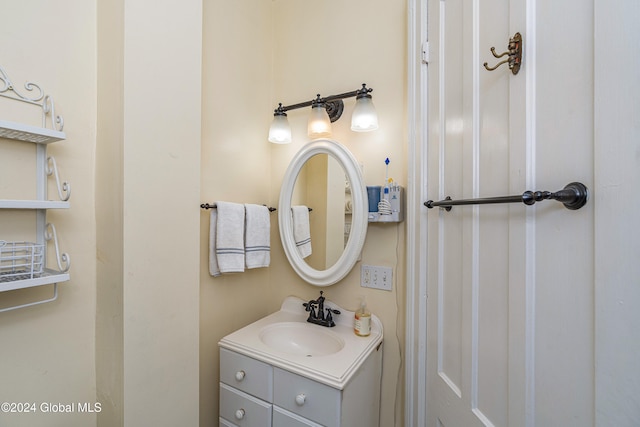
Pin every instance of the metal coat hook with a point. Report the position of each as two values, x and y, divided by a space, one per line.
514 52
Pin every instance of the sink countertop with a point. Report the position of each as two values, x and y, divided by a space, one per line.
335 369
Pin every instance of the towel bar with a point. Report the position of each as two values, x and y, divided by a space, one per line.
214 206
573 196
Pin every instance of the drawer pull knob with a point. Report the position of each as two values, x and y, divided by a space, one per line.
240 375
300 399
240 414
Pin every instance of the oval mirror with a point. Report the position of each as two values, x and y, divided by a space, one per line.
322 184
326 177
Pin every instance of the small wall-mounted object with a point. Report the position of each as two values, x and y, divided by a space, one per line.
391 206
514 52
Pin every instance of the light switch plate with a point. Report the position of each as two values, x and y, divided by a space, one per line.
376 277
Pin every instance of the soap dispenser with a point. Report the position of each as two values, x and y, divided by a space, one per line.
362 322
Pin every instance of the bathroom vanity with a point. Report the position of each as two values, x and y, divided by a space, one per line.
283 371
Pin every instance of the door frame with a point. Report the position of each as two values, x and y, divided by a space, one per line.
416 287
614 387
417 248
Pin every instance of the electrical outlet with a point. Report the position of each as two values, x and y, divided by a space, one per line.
366 276
376 277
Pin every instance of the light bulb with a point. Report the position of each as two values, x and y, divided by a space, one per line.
364 117
319 124
280 130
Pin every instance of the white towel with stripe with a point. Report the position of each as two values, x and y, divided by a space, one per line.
257 241
214 270
301 230
230 237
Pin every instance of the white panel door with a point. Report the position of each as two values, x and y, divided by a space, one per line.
510 291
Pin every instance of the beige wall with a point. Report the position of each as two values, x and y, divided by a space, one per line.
237 70
333 47
124 331
155 124
149 146
257 54
48 351
109 215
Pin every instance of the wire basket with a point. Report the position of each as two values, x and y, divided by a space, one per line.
20 260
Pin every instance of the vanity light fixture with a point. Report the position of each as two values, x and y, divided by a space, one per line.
324 111
319 125
280 130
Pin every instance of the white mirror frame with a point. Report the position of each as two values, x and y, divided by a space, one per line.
359 220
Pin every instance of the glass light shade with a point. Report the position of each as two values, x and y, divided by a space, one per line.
280 130
319 124
364 117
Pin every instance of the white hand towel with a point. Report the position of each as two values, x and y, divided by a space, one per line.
230 237
214 270
301 231
257 241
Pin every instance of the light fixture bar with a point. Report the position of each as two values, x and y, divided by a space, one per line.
325 111
329 99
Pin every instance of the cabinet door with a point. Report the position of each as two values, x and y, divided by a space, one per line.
307 398
246 374
225 423
282 418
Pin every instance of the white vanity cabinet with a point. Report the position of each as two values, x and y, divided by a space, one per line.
254 393
283 371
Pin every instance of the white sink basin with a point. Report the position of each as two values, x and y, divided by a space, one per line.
286 340
301 339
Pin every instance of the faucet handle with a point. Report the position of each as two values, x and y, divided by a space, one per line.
310 306
329 317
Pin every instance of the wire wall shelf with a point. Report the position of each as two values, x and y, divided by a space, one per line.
52 124
20 259
24 264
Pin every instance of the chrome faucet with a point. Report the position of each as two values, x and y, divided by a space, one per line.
318 317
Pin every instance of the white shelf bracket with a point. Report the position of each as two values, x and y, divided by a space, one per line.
8 90
64 190
50 234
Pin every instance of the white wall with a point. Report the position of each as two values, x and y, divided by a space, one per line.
161 175
617 239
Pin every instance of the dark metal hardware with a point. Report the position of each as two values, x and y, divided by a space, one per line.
214 206
318 317
515 55
333 103
573 196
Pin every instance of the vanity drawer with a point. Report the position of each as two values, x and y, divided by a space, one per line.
282 418
242 409
246 374
307 398
225 423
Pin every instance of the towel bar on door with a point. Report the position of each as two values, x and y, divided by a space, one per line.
573 196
